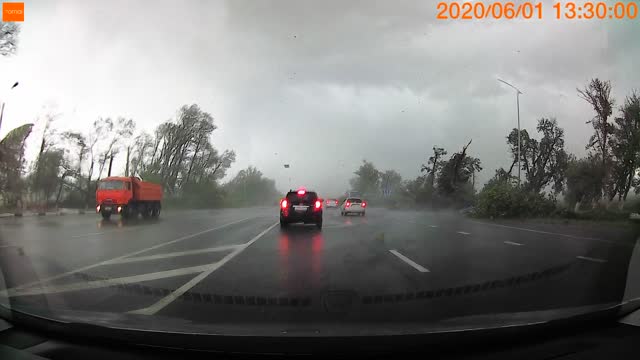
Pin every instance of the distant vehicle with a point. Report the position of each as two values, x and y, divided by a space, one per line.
332 203
353 205
128 196
301 206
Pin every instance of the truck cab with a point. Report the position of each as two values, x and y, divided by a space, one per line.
113 192
127 196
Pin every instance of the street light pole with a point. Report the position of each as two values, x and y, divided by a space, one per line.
518 92
519 147
2 110
1 113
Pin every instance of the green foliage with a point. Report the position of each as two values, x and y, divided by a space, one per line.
250 188
434 164
584 180
545 161
454 185
596 214
625 148
12 163
151 177
502 199
419 189
46 177
367 180
181 152
598 94
202 195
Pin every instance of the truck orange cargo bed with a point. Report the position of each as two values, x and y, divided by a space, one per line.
146 191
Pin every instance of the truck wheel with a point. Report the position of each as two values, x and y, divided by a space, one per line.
127 213
105 215
147 213
155 212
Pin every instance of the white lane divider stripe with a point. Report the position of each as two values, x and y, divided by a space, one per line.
117 231
52 289
173 254
541 232
193 282
591 259
433 226
85 268
409 261
463 233
512 243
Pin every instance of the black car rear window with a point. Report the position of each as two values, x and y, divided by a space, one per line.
307 198
354 201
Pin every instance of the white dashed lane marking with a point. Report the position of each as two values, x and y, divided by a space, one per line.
409 261
513 243
591 259
463 233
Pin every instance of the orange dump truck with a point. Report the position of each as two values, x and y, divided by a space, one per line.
128 196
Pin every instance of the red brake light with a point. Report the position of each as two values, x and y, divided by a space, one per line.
283 204
318 204
348 204
301 192
364 204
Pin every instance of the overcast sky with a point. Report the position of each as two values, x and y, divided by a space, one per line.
320 85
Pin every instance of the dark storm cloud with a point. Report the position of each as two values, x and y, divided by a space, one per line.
323 85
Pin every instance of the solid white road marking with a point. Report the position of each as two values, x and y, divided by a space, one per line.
463 233
55 277
512 243
117 231
86 285
409 261
85 235
193 282
541 232
433 226
591 259
173 254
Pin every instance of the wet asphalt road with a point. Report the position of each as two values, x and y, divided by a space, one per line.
238 265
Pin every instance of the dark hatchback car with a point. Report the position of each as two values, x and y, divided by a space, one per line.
301 206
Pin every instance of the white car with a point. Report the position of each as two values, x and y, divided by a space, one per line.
353 206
